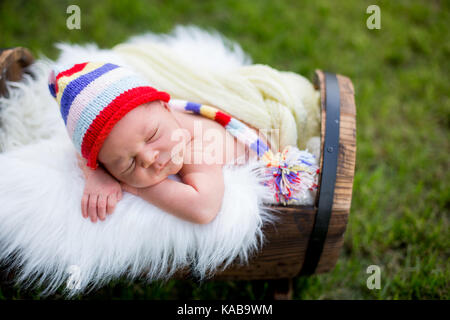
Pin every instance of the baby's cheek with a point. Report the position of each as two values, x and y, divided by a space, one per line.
140 180
130 180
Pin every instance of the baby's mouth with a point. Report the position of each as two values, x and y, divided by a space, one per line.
163 166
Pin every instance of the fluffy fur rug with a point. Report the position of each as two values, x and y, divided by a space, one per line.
42 233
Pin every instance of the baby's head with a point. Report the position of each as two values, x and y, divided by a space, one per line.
116 119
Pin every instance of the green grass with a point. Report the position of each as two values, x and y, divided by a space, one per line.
400 208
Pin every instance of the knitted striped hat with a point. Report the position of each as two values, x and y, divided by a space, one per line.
93 97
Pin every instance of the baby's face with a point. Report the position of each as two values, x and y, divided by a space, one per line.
145 146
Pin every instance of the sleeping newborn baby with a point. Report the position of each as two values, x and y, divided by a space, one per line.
130 138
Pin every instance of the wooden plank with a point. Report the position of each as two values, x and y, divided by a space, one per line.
345 171
12 64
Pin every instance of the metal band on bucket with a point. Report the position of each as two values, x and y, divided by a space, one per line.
328 177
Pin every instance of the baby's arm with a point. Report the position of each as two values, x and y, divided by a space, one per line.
198 198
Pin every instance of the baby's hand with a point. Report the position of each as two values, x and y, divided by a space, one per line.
100 196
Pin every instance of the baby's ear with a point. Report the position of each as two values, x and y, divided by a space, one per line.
165 104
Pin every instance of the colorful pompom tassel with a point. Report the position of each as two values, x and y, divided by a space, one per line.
292 175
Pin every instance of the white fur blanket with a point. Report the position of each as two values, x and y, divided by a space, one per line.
42 233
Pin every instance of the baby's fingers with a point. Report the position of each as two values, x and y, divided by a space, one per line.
112 201
84 205
101 207
92 207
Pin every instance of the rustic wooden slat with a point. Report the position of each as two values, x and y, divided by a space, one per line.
346 167
283 251
12 63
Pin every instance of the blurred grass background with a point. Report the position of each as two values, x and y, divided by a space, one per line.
400 208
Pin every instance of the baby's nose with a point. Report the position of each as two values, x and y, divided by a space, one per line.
149 158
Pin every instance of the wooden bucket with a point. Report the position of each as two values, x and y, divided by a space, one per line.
306 239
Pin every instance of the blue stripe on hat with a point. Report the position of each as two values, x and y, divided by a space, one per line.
192 106
51 87
260 147
78 84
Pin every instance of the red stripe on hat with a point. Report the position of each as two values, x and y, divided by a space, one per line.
67 73
222 118
110 115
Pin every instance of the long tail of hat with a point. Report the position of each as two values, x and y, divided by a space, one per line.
237 128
